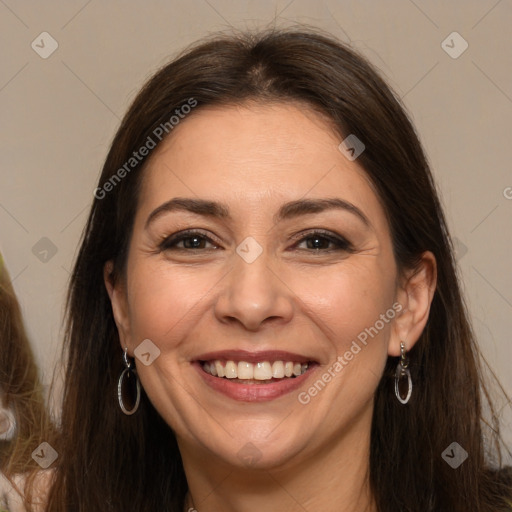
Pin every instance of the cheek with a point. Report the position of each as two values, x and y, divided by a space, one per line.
347 300
346 303
163 301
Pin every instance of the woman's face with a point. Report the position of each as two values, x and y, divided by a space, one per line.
260 250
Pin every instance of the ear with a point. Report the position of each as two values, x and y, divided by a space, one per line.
116 290
415 295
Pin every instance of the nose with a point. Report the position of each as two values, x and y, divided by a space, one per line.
254 295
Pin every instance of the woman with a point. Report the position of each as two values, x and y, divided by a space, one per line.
24 420
264 312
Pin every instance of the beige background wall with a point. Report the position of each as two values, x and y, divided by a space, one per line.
59 114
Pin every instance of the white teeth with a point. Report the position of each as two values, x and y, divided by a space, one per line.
263 370
230 370
219 369
245 370
278 370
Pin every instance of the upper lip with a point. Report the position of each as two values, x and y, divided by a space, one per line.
254 357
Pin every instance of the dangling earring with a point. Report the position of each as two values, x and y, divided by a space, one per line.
402 372
130 373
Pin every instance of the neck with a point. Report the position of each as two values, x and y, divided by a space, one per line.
335 478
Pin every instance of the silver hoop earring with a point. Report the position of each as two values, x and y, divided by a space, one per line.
402 373
129 373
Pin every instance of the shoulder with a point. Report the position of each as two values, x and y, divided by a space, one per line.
13 491
38 487
11 497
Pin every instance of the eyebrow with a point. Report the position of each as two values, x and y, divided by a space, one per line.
287 211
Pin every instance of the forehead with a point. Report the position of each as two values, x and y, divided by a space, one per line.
246 154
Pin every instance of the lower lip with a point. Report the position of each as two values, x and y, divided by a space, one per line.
254 392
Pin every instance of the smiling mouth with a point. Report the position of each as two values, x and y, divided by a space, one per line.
264 372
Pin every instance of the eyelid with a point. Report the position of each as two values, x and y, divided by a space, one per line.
177 237
342 242
313 231
319 231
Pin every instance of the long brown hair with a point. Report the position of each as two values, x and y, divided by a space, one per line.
112 462
21 390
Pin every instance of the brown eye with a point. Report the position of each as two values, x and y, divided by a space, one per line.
193 242
324 242
318 242
188 240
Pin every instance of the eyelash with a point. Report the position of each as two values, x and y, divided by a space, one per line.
341 243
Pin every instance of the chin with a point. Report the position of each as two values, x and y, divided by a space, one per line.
254 450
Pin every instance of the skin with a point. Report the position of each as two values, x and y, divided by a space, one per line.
293 297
